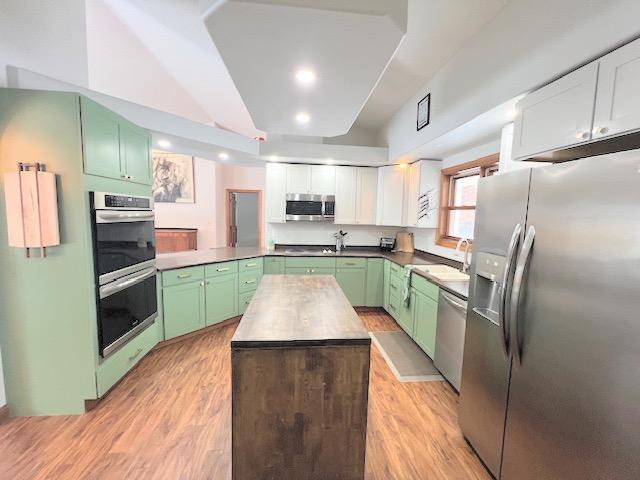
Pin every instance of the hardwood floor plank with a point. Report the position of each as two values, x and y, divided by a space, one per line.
170 418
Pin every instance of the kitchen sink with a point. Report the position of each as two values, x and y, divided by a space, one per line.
443 272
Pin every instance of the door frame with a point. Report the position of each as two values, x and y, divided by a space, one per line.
260 220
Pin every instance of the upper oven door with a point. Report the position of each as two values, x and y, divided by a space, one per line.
304 207
124 242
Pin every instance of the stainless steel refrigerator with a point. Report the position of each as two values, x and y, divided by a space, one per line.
551 373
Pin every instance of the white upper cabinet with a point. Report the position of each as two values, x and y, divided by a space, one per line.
390 200
558 115
346 196
298 178
316 179
422 191
366 193
323 180
275 192
411 193
618 99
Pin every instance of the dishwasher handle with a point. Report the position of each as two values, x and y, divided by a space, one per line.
452 301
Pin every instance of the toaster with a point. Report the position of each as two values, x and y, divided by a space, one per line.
387 243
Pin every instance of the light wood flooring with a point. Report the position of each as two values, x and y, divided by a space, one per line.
170 418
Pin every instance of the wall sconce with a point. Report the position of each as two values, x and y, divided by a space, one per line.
32 208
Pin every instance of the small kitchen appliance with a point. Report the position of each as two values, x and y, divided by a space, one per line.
387 244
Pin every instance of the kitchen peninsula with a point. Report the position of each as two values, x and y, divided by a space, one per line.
300 377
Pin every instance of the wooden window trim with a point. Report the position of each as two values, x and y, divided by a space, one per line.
485 166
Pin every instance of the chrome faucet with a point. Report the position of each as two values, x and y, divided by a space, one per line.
465 262
339 236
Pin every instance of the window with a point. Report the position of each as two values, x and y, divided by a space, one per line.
459 190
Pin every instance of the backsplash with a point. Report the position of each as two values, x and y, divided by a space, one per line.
309 233
425 239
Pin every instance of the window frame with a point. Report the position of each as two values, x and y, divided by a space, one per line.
485 166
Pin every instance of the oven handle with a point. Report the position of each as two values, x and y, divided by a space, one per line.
113 217
125 282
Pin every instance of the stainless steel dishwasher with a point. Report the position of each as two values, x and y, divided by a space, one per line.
452 320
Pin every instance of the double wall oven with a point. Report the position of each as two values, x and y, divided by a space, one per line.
124 256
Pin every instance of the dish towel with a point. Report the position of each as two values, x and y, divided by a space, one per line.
406 289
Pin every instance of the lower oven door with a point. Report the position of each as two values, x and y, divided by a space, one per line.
126 306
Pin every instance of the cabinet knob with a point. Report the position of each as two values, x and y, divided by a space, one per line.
130 177
603 130
202 284
122 175
582 135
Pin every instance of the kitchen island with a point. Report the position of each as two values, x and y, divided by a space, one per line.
300 377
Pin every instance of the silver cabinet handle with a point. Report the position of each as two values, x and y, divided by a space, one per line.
226 269
248 282
138 352
349 263
394 287
251 265
516 292
506 277
183 275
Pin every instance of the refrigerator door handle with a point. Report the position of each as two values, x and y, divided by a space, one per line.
516 293
503 319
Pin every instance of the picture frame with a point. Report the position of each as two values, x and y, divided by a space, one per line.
173 178
423 117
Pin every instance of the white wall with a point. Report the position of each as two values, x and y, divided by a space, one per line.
202 213
3 396
49 37
306 233
529 43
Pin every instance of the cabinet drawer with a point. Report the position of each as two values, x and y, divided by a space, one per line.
396 269
310 262
248 281
223 268
396 285
251 264
112 369
182 275
394 306
351 262
424 286
244 299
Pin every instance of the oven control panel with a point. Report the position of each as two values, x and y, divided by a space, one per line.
123 201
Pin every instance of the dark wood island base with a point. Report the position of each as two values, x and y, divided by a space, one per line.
300 378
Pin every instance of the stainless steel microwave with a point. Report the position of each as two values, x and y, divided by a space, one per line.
303 207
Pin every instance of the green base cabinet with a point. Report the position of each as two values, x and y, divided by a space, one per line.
386 279
221 298
274 265
425 311
401 313
184 308
375 282
353 282
244 299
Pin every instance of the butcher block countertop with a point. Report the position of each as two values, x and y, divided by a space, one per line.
299 310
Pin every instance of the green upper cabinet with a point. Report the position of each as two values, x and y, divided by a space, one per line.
100 140
425 314
112 146
386 279
274 265
222 298
375 267
135 153
184 308
353 282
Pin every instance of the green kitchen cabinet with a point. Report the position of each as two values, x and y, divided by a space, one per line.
353 282
100 141
274 266
184 308
425 313
248 281
386 279
402 313
251 264
310 262
244 299
374 294
135 153
310 271
221 298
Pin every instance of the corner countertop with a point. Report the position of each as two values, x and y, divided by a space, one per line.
170 261
319 314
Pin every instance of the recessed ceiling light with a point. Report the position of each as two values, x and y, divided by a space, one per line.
164 143
305 77
223 156
303 118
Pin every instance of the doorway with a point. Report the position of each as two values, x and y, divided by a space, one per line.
244 218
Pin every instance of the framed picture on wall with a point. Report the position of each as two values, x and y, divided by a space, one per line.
173 178
424 112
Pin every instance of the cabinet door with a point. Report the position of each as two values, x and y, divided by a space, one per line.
391 195
374 282
100 140
273 266
366 195
298 178
323 180
412 192
425 312
184 307
557 115
275 192
345 195
617 101
135 153
222 298
386 282
429 193
353 282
